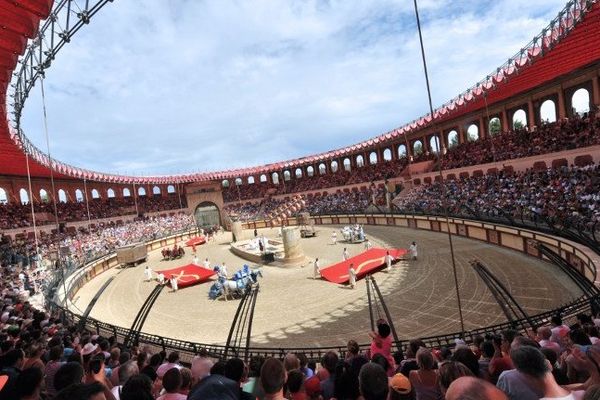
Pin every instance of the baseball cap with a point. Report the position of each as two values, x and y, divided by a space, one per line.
400 384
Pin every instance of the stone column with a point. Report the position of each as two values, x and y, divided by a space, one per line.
237 231
562 112
531 116
596 90
291 245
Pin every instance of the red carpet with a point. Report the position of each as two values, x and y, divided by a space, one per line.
364 264
195 241
189 275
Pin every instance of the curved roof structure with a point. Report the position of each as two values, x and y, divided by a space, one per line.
568 43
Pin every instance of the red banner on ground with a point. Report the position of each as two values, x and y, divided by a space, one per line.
188 275
364 264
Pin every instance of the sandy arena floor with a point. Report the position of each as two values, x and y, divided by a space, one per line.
294 310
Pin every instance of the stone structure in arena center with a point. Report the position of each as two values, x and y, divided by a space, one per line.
237 230
291 245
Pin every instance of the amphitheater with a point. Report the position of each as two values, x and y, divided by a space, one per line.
498 187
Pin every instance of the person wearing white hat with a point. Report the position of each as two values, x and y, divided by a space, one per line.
88 349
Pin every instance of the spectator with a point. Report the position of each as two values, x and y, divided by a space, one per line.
235 369
272 378
471 388
172 384
424 380
373 382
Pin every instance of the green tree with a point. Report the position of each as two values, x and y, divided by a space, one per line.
518 125
418 148
495 126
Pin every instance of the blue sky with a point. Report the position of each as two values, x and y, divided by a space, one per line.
165 87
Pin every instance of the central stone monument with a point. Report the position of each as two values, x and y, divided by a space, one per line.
291 245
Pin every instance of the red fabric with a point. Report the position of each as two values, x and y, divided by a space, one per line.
364 263
195 241
189 275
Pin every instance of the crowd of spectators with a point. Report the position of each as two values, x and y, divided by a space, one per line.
88 243
17 215
566 194
42 357
563 135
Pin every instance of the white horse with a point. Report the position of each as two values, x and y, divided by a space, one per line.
235 288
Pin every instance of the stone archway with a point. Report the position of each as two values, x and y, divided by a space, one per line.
207 214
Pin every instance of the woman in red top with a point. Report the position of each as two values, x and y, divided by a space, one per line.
381 343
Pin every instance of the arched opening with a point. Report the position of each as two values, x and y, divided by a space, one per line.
373 158
580 101
472 133
519 120
453 139
287 175
360 162
334 166
95 194
275 178
347 164
3 197
126 192
434 144
155 190
250 180
417 147
263 178
495 126
110 193
141 191
387 155
548 112
310 171
79 196
24 196
170 189
322 169
298 173
401 151
62 196
238 181
225 183
207 215
44 198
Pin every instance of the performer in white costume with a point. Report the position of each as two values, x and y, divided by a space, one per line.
345 254
334 238
352 276
388 261
413 250
174 283
161 278
206 263
148 273
317 270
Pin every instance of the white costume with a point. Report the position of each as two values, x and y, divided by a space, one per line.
334 238
195 260
413 251
352 277
174 283
224 271
148 274
388 261
317 270
346 255
207 264
368 245
161 278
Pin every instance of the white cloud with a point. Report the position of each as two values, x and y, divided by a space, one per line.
154 86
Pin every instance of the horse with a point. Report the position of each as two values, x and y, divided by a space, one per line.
235 288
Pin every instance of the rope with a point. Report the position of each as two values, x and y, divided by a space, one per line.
49 157
87 204
442 183
35 233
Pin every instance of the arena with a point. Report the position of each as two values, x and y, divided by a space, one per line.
420 293
315 249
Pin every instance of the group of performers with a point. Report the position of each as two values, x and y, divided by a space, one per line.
172 253
354 233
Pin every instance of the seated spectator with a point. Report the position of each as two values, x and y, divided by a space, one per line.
295 385
138 387
126 371
272 378
81 391
235 369
329 362
29 384
400 388
472 388
68 374
450 371
373 382
172 384
424 380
